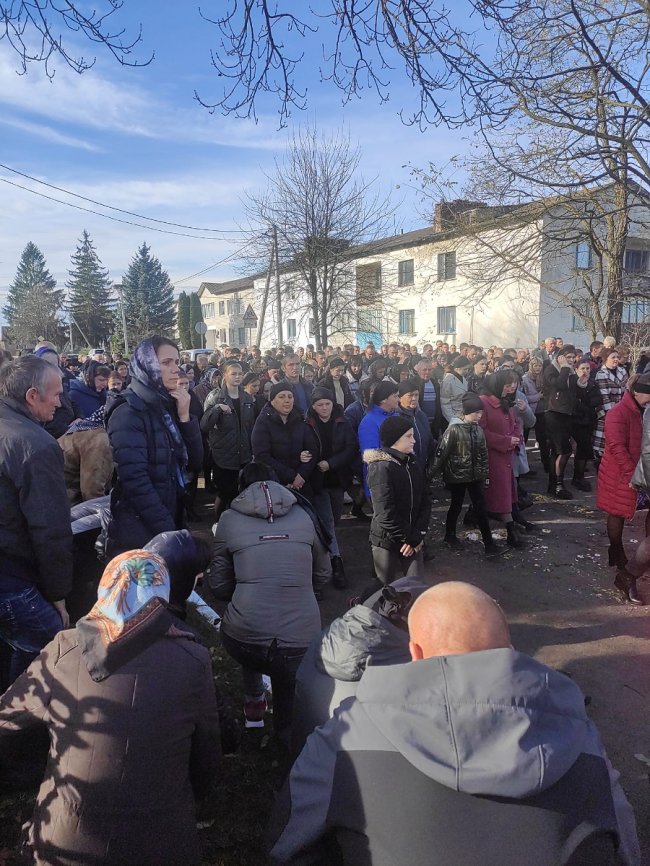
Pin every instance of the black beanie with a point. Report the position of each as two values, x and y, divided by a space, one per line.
278 388
382 391
320 393
250 377
472 403
393 428
336 362
408 386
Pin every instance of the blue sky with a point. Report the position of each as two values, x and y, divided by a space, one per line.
136 139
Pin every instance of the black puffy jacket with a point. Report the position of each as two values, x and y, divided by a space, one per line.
229 433
146 499
462 454
400 499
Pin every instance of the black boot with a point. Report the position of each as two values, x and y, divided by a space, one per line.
579 467
552 481
358 512
560 490
626 583
453 541
339 580
616 555
513 539
493 550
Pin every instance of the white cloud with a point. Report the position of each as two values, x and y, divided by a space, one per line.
48 133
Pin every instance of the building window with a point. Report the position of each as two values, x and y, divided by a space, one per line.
405 273
407 322
207 310
291 329
446 320
369 321
583 255
446 269
241 332
635 312
222 333
636 261
222 308
369 283
231 336
234 307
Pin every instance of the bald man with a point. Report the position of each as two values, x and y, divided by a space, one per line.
472 754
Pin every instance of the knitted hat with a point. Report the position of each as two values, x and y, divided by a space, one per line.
320 393
382 391
272 364
336 362
250 377
278 388
461 361
471 403
408 386
393 428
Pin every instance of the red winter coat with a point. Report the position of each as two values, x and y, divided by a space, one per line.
623 429
501 492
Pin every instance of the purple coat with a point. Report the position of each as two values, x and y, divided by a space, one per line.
501 492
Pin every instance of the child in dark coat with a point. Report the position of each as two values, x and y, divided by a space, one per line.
462 458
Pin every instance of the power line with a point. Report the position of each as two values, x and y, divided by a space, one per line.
205 270
111 207
107 216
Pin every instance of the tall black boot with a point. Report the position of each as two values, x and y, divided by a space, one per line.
552 479
626 583
579 468
513 539
560 490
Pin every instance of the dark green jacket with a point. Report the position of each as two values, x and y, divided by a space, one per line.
462 455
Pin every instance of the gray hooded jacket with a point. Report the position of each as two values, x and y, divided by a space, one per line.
483 759
266 550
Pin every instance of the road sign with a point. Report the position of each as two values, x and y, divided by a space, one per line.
200 327
250 318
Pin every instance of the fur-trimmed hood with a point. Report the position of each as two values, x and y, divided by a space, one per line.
375 455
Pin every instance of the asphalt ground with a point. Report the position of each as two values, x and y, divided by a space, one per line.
563 609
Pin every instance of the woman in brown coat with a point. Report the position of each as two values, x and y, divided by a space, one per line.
129 702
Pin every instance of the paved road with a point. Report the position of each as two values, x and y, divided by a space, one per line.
559 598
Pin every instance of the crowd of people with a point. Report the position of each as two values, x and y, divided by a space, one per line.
284 441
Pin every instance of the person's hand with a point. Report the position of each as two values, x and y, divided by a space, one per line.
562 361
520 404
514 440
324 466
305 456
297 482
182 399
62 612
419 547
407 550
225 408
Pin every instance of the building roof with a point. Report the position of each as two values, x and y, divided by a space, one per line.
226 288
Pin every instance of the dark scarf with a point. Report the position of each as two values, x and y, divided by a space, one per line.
494 385
146 382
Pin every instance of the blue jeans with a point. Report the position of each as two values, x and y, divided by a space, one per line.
27 623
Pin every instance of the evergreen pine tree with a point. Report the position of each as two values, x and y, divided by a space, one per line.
33 302
184 320
89 298
196 315
148 298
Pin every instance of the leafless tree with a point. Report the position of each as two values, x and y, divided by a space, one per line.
324 214
35 30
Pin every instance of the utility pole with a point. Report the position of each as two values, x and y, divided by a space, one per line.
267 286
278 298
118 287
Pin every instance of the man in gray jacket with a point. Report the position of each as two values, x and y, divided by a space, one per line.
471 754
